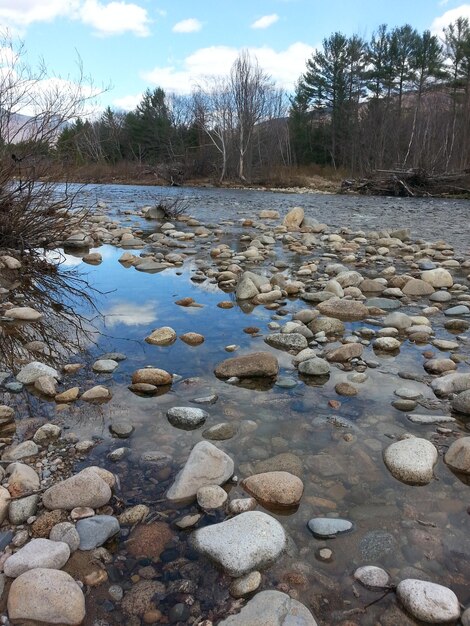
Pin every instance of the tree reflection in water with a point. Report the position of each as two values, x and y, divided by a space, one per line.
56 293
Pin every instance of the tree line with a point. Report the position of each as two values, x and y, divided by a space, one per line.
400 100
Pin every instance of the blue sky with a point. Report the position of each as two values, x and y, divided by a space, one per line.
135 44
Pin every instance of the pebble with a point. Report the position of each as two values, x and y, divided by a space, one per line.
329 527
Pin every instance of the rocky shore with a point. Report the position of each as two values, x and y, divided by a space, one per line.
343 305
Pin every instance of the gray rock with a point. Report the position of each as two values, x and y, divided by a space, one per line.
314 367
461 402
450 383
387 304
104 366
187 418
67 533
457 456
428 602
289 341
23 450
219 432
271 608
460 309
20 510
398 320
411 460
37 553
328 527
95 531
31 372
47 596
430 419
206 465
84 489
372 577
376 544
122 429
248 541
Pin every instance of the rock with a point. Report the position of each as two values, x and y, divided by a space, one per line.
6 415
206 465
46 434
387 344
23 480
245 585
430 419
192 339
345 389
327 325
411 460
246 288
48 596
314 367
255 365
458 455
70 395
31 372
187 418
96 394
294 218
38 553
5 498
22 509
345 353
46 385
121 429
284 462
43 525
86 488
242 505
461 402
211 497
328 527
417 287
220 432
275 489
303 355
294 342
460 309
438 278
346 310
104 366
152 376
147 541
398 320
66 533
23 450
141 598
372 577
95 531
450 383
271 608
134 515
248 541
428 602
163 336
24 314
439 366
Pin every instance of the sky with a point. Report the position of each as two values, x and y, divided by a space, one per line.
128 46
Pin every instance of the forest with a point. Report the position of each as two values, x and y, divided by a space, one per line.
399 101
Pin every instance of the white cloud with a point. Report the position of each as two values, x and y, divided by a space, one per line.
265 21
191 25
115 18
128 103
131 314
448 17
285 66
107 18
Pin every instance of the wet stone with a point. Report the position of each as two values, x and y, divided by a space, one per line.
372 577
271 608
329 527
121 429
220 432
428 602
187 418
376 544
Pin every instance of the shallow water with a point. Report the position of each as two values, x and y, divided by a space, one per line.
410 531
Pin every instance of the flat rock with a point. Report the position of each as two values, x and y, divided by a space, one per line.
244 543
152 376
24 314
345 310
95 531
104 366
328 527
458 455
31 372
37 553
255 365
294 342
428 602
47 596
275 489
163 336
271 608
411 460
206 465
345 353
461 402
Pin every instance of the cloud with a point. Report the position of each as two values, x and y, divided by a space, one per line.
128 103
448 17
191 25
130 314
284 66
106 18
115 18
265 21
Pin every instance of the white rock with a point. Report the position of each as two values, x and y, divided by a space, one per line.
86 489
428 602
249 541
24 313
271 608
372 577
37 553
411 460
31 372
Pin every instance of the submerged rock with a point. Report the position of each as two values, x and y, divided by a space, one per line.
248 541
428 602
458 455
186 418
411 460
271 608
328 527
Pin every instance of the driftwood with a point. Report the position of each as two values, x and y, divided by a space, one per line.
410 183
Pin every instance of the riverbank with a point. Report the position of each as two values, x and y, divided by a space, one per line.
252 366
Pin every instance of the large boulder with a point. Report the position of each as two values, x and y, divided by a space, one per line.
242 544
293 220
206 465
271 608
47 596
255 365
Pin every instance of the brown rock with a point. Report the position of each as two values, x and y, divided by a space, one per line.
345 389
293 220
149 540
68 396
277 489
151 376
255 365
417 287
284 462
345 353
43 525
192 339
343 309
163 336
142 597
